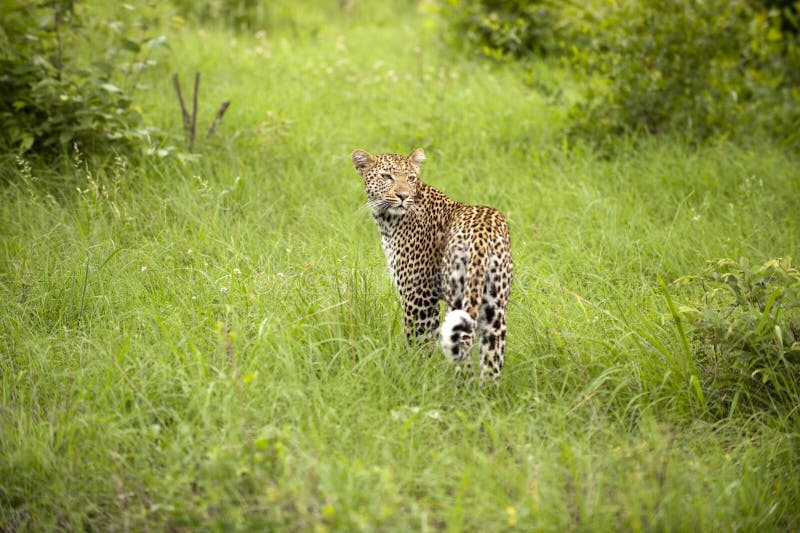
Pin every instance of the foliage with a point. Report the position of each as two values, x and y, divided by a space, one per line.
788 11
746 328
50 97
503 30
702 69
239 14
268 15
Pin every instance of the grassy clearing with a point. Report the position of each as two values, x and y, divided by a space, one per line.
216 343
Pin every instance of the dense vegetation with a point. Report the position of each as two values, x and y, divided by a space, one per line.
710 69
67 77
211 340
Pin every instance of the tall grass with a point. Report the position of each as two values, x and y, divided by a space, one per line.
216 343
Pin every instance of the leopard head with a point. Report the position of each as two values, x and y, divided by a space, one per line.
391 181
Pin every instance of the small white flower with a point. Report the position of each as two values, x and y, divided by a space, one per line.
237 272
223 290
144 268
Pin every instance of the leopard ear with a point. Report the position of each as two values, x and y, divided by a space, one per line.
362 159
417 156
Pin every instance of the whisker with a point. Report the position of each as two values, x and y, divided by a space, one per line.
382 204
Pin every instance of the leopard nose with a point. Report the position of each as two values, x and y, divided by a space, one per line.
402 195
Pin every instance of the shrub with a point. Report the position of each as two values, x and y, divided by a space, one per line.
746 332
788 11
48 98
239 14
704 69
503 30
268 15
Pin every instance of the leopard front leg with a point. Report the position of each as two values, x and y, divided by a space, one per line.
420 319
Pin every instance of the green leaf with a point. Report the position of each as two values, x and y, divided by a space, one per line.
111 88
102 66
26 143
156 42
695 384
779 335
131 46
44 21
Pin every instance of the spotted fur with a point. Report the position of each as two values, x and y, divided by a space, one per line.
441 250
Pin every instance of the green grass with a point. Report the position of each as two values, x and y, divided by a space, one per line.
217 344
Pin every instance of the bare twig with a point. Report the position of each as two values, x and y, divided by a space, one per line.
194 110
190 121
184 112
222 109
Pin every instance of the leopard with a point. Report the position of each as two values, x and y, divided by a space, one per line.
440 250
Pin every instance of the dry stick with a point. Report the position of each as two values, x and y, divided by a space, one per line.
184 112
190 122
194 110
221 112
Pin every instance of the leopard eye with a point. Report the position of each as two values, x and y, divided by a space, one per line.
412 177
387 176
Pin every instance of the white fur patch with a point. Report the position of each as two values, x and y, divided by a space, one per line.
451 320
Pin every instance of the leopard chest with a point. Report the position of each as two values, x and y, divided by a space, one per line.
413 253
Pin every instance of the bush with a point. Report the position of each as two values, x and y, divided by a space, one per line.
746 332
704 69
503 30
268 15
240 14
48 98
